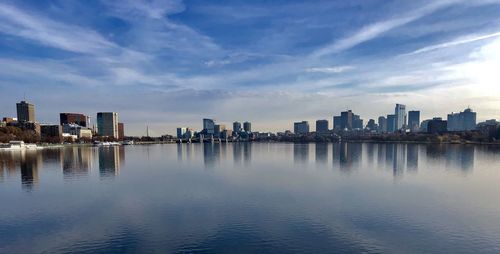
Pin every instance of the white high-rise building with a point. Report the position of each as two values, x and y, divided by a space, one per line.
400 112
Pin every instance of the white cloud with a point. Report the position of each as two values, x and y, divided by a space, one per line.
456 42
333 69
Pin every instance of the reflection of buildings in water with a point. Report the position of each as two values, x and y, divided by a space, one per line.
435 151
321 152
9 161
51 155
300 153
184 152
370 153
412 157
349 154
211 154
460 157
389 154
242 151
110 159
31 162
76 161
247 152
237 153
341 156
399 159
180 152
381 155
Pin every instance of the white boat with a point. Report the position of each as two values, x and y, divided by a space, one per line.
128 142
108 144
20 145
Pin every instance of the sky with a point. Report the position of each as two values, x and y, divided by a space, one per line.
170 63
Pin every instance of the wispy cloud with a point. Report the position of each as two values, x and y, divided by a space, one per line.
333 69
374 30
456 42
51 33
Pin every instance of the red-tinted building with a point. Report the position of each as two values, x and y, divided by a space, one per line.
74 118
121 131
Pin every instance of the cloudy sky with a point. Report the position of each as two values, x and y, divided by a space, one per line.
169 63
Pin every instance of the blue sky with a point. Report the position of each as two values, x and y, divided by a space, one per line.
170 63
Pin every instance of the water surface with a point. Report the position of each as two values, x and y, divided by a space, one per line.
251 198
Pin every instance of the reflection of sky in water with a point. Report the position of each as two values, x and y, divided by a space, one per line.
252 197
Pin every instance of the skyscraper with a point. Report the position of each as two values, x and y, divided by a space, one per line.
346 120
25 112
321 126
400 112
301 127
236 126
337 120
247 127
414 120
208 126
391 123
382 124
357 122
74 118
107 124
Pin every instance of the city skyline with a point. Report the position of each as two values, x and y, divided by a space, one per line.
107 124
166 64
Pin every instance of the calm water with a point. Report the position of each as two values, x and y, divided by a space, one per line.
251 198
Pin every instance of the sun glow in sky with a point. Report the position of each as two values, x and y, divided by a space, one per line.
170 63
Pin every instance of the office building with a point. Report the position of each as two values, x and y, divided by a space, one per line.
414 120
301 127
208 126
382 124
346 120
53 132
322 126
357 122
391 123
74 118
400 113
181 132
337 122
247 127
218 129
436 125
121 131
463 121
107 124
25 112
226 134
237 127
77 131
371 125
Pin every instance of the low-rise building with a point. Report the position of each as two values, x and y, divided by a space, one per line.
301 127
436 126
51 132
77 130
